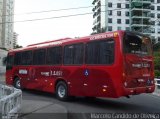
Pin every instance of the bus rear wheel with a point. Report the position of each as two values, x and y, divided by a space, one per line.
16 83
62 91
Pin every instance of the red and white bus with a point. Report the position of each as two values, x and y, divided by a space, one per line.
112 64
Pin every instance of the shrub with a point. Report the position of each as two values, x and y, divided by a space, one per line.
157 73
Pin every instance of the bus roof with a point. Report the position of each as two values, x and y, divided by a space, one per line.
65 40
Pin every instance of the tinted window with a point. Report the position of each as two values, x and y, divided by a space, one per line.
17 60
54 55
106 52
100 52
73 54
10 60
91 53
39 57
26 58
136 44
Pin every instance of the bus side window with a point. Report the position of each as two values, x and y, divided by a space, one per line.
26 58
54 56
18 57
39 57
100 52
10 60
92 52
106 52
73 54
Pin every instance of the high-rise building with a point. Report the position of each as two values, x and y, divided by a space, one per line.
6 23
135 15
15 35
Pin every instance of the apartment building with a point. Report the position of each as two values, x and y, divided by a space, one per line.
6 25
135 15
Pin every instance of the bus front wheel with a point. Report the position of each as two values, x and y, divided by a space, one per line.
16 83
62 91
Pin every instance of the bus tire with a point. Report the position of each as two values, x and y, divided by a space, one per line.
16 83
62 91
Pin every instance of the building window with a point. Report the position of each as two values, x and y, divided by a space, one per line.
118 5
109 4
152 22
158 1
110 12
152 15
127 5
152 7
153 30
109 20
119 21
127 21
158 7
118 13
158 39
158 15
127 13
109 28
152 1
118 28
127 28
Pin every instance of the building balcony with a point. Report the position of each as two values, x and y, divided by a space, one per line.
144 30
141 1
140 14
140 17
140 24
141 4
141 9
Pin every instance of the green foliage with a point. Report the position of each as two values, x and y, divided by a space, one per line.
157 73
17 46
156 47
157 63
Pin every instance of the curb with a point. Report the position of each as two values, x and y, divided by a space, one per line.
157 94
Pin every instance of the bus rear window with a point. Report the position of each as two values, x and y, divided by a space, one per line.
136 44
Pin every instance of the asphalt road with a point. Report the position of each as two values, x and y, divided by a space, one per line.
80 107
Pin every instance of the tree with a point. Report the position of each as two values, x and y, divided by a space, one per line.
17 46
157 63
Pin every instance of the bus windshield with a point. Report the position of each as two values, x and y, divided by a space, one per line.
137 44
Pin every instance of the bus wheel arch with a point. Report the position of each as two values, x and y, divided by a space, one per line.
61 89
16 82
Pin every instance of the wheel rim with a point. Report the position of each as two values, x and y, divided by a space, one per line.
18 85
61 91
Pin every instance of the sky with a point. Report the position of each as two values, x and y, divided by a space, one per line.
51 29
